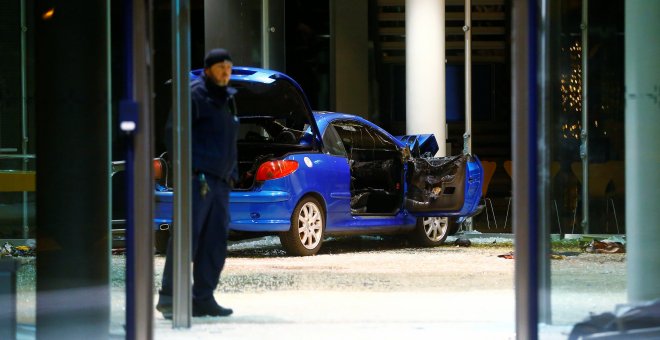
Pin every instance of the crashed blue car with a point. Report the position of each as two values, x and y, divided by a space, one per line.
305 175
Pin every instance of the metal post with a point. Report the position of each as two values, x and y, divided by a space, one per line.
24 133
141 322
182 218
467 136
524 151
584 135
548 47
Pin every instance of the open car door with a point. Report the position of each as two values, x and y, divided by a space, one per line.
443 186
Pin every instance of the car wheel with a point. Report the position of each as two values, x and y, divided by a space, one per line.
305 236
453 227
431 231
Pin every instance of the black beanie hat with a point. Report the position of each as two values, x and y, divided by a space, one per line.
216 55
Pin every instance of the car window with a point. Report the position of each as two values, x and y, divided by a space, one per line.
269 129
332 142
356 135
379 140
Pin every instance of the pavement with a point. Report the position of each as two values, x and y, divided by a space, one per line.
367 293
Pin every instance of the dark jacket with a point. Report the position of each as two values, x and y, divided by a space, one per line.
214 129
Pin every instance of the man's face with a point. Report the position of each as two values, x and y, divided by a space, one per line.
219 73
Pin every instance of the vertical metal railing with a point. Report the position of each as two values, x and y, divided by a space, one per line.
584 135
548 46
524 152
143 198
467 135
182 220
24 133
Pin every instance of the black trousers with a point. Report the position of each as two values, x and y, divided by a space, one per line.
209 238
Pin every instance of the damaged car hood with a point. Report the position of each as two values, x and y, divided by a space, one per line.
421 145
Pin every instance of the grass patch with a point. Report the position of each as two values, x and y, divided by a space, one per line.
568 245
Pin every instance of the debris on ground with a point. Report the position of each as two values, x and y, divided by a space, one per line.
9 250
557 257
510 256
605 247
462 242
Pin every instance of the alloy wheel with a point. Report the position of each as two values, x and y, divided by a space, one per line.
435 228
310 225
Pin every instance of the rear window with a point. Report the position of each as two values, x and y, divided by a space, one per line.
278 101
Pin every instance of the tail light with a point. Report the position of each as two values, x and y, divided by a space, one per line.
158 169
276 169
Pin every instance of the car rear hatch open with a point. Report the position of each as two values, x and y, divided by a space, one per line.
275 120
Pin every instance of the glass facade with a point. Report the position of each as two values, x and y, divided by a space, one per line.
587 100
17 133
17 157
586 126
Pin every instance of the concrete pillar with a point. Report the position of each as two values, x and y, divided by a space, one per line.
642 130
273 46
235 26
425 69
73 169
231 24
349 83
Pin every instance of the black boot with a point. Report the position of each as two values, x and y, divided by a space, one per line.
164 305
209 308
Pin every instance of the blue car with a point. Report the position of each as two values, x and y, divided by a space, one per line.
306 175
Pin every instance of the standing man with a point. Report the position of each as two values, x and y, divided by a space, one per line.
214 130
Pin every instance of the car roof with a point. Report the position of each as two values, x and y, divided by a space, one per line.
323 118
250 74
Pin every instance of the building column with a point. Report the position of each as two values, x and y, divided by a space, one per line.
425 69
231 24
349 84
642 135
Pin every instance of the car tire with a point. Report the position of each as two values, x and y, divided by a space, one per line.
431 231
453 226
305 236
161 238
